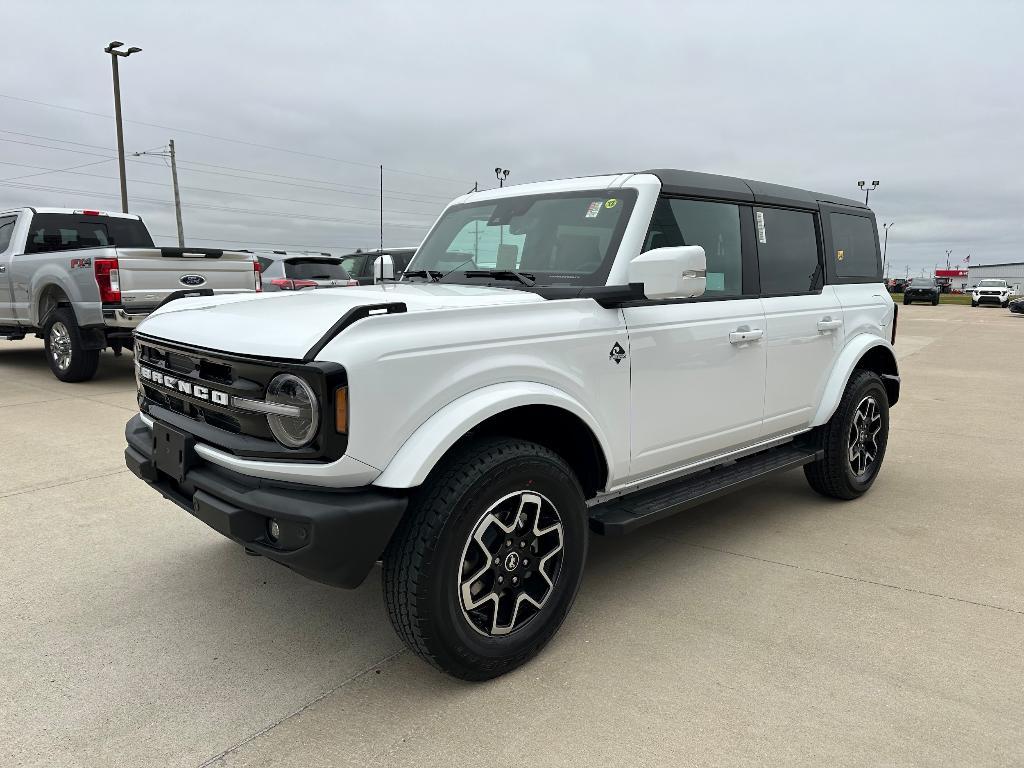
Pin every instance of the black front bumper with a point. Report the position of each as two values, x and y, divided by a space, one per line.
991 299
920 296
333 536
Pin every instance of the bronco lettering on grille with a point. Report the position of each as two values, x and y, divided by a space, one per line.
183 386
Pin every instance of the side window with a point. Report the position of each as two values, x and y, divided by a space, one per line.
354 264
713 226
854 247
265 263
787 251
6 230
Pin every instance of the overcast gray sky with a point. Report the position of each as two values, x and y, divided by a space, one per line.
923 96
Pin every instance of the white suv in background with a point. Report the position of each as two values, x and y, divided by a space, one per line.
592 353
991 292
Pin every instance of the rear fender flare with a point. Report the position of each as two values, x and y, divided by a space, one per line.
843 369
432 439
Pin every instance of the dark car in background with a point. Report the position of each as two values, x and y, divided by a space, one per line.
922 289
1017 306
360 264
283 271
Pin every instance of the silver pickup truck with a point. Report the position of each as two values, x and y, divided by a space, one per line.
82 280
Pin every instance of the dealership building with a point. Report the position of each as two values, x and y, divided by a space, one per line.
1011 272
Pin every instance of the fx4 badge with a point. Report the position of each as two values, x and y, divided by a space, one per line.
617 354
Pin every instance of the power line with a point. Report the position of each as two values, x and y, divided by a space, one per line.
58 170
234 141
246 211
412 197
326 203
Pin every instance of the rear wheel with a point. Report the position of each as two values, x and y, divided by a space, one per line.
67 357
854 440
487 563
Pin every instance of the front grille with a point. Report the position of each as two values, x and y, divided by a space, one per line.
219 378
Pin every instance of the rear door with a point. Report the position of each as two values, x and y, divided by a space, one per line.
804 320
7 222
149 275
697 388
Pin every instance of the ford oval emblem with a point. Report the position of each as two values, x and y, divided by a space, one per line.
192 280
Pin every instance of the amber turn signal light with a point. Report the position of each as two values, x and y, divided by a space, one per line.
341 410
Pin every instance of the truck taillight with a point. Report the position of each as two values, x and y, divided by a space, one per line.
257 276
108 278
895 316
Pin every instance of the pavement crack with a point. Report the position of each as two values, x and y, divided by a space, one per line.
58 485
303 708
846 577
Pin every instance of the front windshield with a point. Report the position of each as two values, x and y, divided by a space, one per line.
922 281
991 284
557 239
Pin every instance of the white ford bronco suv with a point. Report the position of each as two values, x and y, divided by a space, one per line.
83 280
587 354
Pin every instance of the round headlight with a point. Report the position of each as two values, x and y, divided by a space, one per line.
298 420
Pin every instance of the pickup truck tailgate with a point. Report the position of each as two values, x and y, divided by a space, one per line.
149 275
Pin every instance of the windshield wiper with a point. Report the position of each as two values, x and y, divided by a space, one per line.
430 274
504 274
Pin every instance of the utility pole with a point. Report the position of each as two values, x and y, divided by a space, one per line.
174 183
868 190
382 206
885 244
947 257
114 55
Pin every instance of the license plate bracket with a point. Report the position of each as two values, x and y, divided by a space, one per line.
173 450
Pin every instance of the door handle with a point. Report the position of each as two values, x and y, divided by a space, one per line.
3 268
743 335
828 324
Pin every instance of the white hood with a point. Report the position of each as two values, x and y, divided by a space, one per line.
286 324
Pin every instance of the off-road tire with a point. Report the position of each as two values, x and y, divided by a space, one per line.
61 330
935 302
906 302
833 475
423 563
974 303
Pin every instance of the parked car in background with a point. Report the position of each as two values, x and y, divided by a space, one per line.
991 292
82 280
361 264
1017 306
922 289
283 271
585 353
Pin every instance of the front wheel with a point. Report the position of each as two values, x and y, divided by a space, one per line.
487 563
905 302
854 440
974 303
935 302
68 358
1006 304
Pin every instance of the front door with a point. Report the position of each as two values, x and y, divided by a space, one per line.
698 365
6 258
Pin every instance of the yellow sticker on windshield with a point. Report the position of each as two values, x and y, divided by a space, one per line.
839 255
611 203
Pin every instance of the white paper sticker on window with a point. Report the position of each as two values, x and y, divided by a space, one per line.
593 209
759 216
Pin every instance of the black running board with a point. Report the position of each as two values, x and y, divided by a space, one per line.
635 510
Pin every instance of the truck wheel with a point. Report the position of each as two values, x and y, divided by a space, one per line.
854 440
974 303
68 360
488 560
905 301
935 302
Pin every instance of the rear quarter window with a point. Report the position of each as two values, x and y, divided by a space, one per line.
855 248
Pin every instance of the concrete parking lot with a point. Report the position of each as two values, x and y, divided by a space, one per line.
772 627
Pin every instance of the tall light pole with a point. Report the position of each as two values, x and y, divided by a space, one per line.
502 174
867 190
948 252
885 243
112 49
174 183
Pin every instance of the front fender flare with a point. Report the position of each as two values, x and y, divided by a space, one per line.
843 369
425 447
